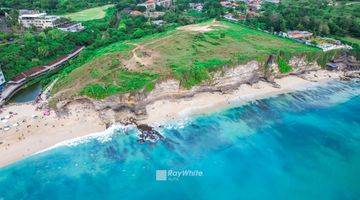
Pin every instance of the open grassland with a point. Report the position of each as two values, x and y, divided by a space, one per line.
188 54
89 14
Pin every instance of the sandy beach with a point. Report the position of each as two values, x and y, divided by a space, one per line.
30 131
25 130
163 111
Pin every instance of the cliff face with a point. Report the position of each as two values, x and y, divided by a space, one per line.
299 66
121 106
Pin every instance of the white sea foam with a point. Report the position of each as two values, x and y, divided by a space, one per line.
181 123
102 137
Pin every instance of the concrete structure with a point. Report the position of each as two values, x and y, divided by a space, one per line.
71 27
2 80
136 13
230 17
158 22
164 3
32 18
150 5
272 1
329 46
154 15
196 6
302 35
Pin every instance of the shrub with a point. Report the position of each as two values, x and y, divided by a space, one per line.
197 72
284 67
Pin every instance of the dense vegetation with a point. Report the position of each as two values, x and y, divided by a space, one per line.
35 50
54 6
39 48
317 16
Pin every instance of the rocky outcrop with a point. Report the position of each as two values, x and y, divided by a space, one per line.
271 68
345 63
300 65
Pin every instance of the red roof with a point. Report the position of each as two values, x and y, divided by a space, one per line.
18 77
34 70
135 12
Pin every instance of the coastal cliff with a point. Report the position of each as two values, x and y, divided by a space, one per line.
121 107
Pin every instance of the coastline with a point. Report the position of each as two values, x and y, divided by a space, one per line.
31 131
40 133
164 111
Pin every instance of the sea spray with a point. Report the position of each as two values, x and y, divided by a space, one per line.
103 136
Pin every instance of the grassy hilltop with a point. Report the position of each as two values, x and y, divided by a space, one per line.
188 54
89 14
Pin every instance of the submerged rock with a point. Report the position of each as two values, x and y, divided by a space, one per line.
148 133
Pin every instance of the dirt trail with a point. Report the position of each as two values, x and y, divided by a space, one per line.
202 28
146 61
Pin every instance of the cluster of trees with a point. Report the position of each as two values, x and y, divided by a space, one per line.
38 48
35 50
317 16
54 6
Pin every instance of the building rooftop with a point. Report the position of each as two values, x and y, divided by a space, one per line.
34 15
67 25
299 34
136 12
28 12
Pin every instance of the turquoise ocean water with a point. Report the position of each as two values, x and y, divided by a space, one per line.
302 145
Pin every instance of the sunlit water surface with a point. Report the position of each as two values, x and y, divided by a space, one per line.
302 145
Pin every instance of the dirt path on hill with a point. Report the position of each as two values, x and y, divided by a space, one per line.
146 61
202 28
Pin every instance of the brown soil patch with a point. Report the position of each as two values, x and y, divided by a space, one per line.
202 28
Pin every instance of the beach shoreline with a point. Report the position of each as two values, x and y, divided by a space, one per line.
36 132
172 110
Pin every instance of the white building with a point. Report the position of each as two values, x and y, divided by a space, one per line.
158 22
31 18
150 5
164 3
2 80
196 6
71 27
272 1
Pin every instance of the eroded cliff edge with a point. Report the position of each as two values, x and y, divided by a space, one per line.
121 107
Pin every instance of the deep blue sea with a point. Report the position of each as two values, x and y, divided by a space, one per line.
301 145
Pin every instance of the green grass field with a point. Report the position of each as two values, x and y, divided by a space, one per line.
89 14
188 54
